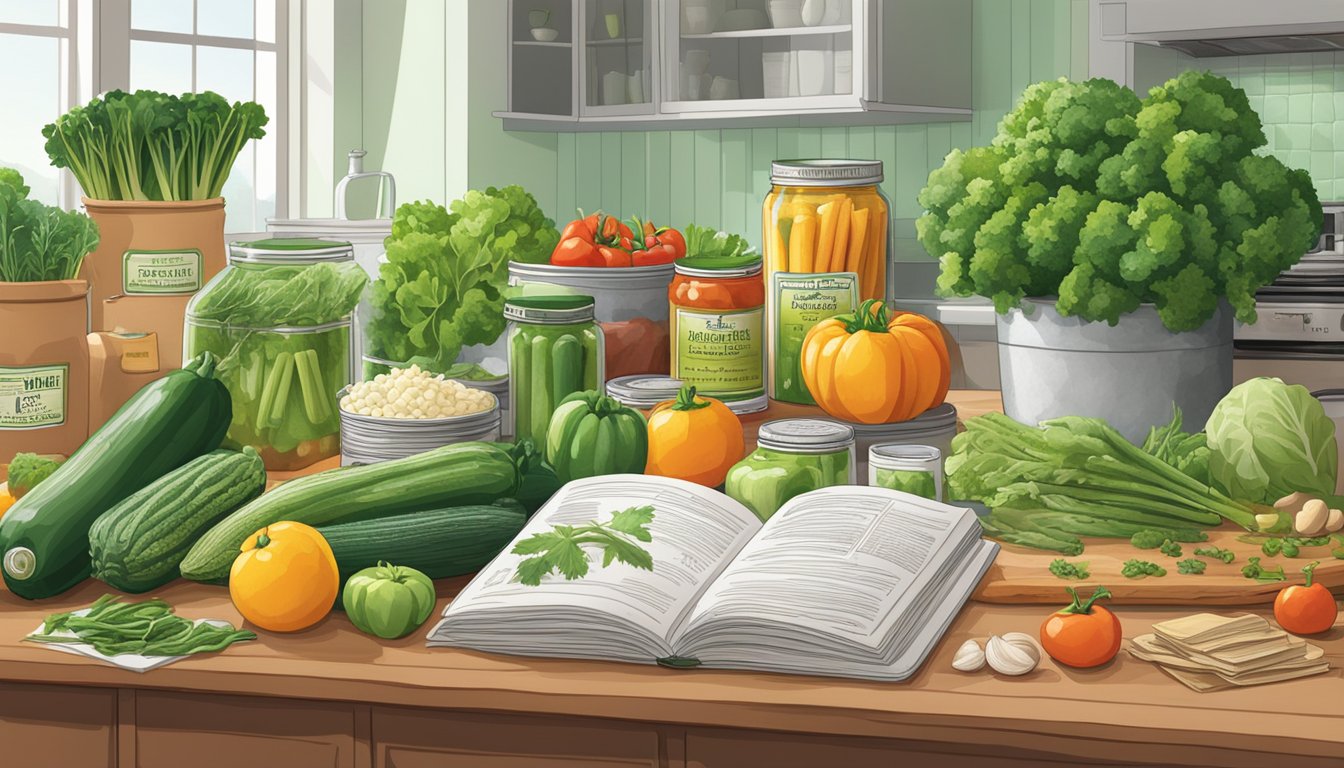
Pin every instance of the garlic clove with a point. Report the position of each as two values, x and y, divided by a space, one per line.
1013 654
1266 522
969 657
1292 503
1334 521
1311 520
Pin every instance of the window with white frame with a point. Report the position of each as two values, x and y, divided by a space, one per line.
232 47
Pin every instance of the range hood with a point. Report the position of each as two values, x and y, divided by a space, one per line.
1205 28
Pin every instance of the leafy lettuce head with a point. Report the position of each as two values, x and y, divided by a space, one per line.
1268 439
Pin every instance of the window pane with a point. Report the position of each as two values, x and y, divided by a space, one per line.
41 12
266 21
161 15
30 80
160 66
226 71
267 169
240 194
223 18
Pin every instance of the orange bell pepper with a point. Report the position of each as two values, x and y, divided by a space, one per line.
694 438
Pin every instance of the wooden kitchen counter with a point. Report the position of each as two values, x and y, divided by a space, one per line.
332 696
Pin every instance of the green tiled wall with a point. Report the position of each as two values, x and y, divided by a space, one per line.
719 177
1300 98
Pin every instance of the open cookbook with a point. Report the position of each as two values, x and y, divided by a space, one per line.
849 581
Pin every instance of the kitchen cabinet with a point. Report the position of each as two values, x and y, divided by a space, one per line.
58 724
667 64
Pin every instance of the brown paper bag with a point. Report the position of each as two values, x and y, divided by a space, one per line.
162 316
150 249
119 365
44 367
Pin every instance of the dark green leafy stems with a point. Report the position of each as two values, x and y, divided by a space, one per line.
1138 569
147 628
1066 570
1254 570
39 242
1076 477
1108 201
1170 548
1191 566
148 145
1188 452
443 285
560 550
1226 555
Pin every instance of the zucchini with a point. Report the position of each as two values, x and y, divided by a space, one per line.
439 543
464 473
138 544
170 421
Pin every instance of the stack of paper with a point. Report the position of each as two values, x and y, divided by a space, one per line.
1210 653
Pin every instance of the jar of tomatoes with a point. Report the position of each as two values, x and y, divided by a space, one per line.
717 318
826 248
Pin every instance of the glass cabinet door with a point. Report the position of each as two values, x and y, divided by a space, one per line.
732 55
617 46
541 57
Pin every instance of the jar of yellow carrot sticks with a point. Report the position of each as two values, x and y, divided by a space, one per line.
825 242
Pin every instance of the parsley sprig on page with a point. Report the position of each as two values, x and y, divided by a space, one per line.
561 550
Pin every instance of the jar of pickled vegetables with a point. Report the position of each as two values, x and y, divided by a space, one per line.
826 241
279 319
555 349
916 469
792 457
718 325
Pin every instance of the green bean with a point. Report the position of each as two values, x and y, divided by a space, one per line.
149 628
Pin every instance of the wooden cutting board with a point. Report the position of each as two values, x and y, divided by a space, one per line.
1022 575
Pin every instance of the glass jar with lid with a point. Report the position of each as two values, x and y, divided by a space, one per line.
555 349
279 319
916 469
718 325
826 242
792 457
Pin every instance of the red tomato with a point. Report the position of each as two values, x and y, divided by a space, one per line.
671 237
576 252
1083 634
655 255
1307 609
613 257
577 228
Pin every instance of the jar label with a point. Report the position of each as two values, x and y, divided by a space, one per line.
161 272
31 398
721 353
798 302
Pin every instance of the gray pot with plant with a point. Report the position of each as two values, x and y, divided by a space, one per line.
1118 238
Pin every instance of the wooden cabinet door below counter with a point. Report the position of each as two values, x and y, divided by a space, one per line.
412 738
57 725
175 730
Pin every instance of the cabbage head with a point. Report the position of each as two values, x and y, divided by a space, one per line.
1268 439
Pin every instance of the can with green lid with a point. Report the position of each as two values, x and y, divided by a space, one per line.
718 325
792 457
555 350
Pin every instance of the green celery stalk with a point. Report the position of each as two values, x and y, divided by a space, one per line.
277 371
277 411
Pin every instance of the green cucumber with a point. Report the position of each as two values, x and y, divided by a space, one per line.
566 367
540 351
169 422
520 377
138 544
463 473
594 362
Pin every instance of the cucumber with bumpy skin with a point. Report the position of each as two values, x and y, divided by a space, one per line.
139 544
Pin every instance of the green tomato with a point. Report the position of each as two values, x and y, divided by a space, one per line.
388 601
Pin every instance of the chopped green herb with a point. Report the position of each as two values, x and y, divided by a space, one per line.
561 548
1191 566
148 628
1066 570
1226 555
1138 569
1272 547
1253 570
1149 539
1314 541
1170 548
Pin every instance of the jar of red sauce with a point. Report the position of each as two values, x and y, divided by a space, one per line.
717 318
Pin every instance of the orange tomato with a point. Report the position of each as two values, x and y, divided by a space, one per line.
6 500
862 367
1083 634
694 438
1307 609
285 579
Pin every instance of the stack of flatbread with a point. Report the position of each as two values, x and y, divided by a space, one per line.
1207 652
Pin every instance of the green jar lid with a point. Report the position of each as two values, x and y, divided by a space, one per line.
743 265
290 250
549 310
805 436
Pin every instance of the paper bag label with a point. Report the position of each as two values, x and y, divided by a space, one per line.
721 353
161 272
800 301
31 398
140 354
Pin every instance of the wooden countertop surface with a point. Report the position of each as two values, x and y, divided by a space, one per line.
1128 707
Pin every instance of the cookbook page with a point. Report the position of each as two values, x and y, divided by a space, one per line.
842 562
695 532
